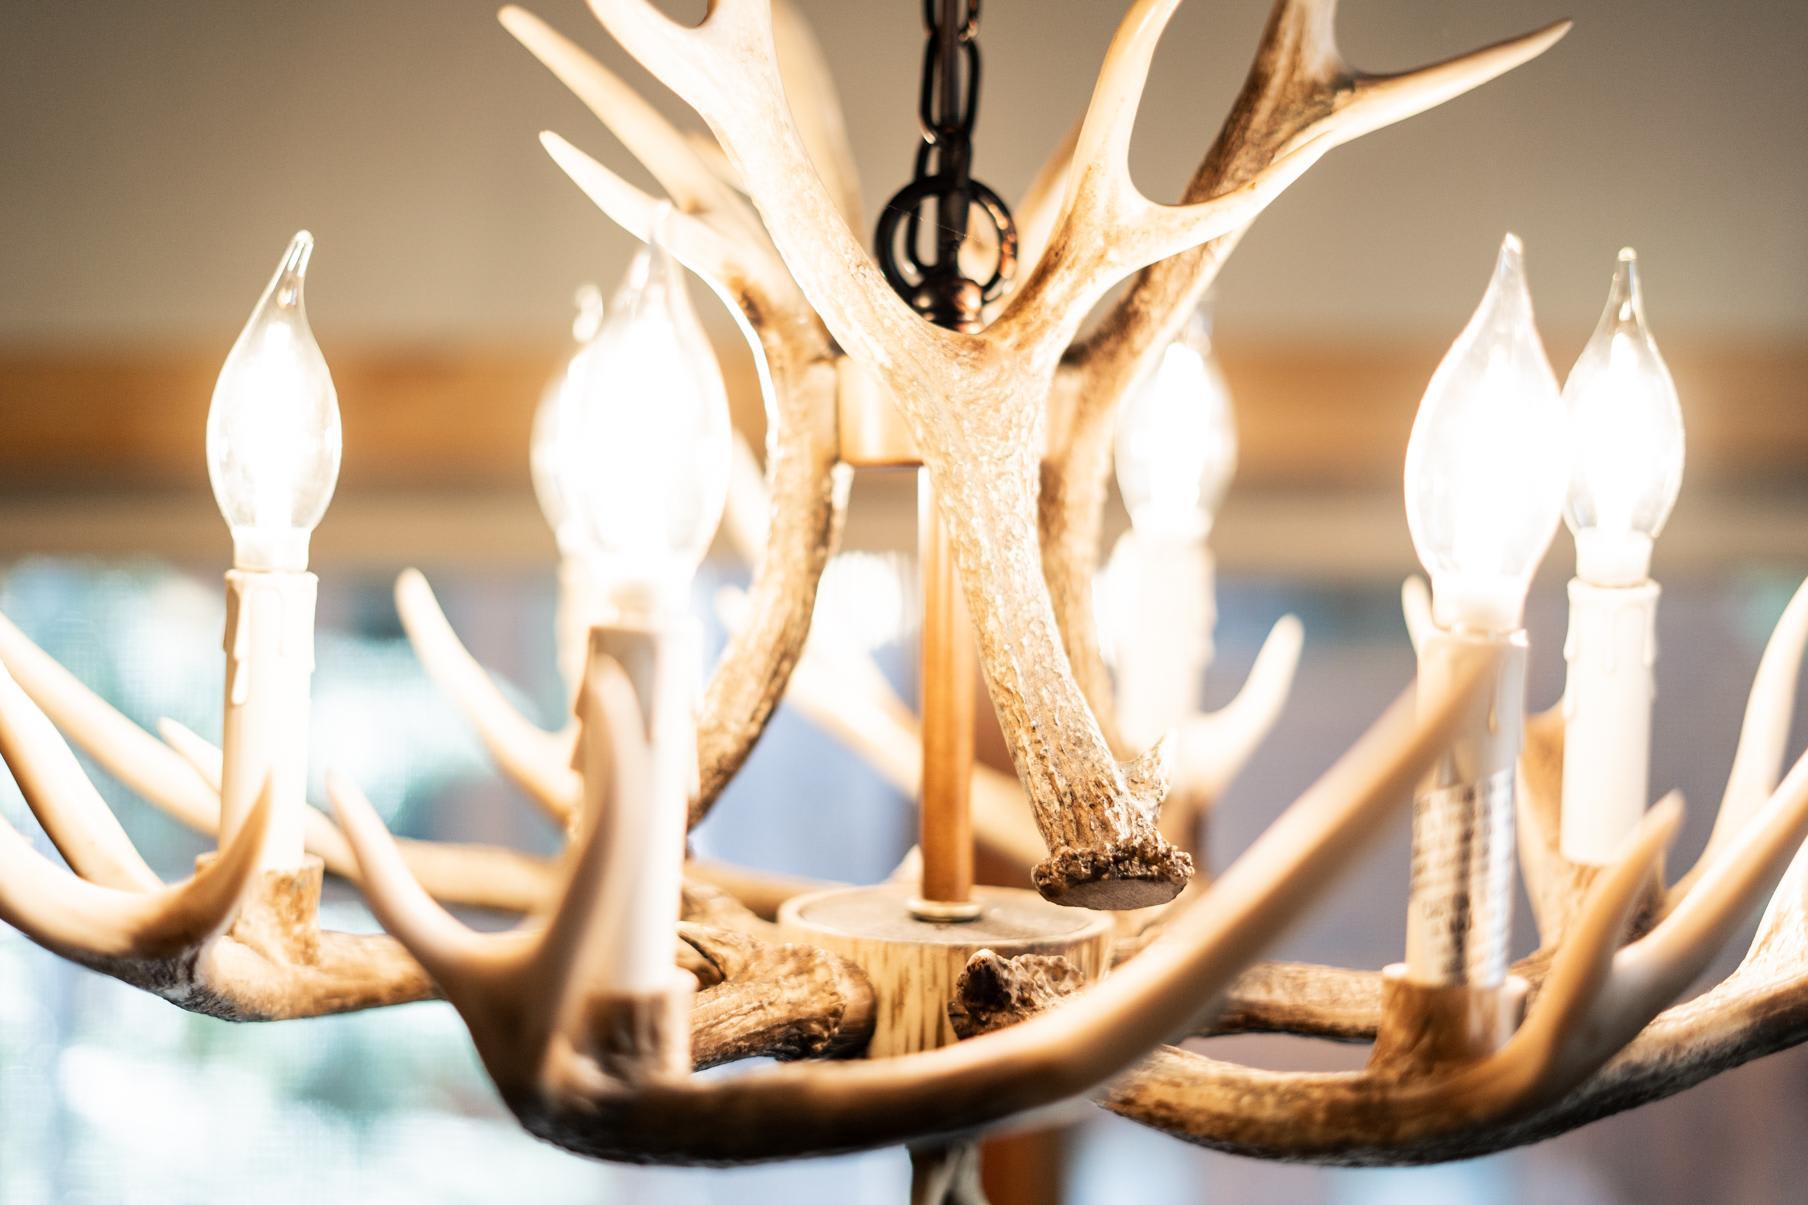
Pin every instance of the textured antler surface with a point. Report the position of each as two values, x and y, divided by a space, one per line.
1300 100
528 1014
715 236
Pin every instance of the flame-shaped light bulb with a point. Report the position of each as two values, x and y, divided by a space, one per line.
557 468
1487 465
652 438
273 437
1177 440
1627 450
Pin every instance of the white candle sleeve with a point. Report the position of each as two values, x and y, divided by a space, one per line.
269 667
1611 650
643 877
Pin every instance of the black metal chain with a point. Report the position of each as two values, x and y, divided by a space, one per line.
931 278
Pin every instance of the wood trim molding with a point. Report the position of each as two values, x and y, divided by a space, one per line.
1310 413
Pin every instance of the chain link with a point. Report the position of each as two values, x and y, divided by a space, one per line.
943 193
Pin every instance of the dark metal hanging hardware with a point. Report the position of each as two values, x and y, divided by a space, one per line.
943 193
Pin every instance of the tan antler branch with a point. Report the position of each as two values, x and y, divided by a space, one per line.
715 236
232 941
513 993
975 402
1299 101
181 777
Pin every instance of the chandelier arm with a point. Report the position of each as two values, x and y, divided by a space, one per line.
775 1000
1298 101
1257 1114
180 777
477 876
232 941
72 813
94 924
559 1093
1607 1044
1300 999
672 157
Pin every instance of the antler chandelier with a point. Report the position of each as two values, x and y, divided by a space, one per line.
921 1010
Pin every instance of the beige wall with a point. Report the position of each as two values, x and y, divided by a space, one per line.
155 156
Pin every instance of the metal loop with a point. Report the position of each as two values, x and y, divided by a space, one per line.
929 276
905 267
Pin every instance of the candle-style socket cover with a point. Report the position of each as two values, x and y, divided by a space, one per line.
644 1035
1460 909
1425 1026
269 643
644 830
1607 697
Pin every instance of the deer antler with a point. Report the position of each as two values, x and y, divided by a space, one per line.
717 237
230 942
529 1014
182 779
1299 101
975 402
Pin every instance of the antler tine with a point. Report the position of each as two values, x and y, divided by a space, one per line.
649 219
1584 1013
450 951
1213 748
792 1111
816 104
537 761
1380 1116
73 814
92 924
1309 101
1726 892
726 69
1764 736
481 876
664 150
575 929
1298 101
124 750
1042 201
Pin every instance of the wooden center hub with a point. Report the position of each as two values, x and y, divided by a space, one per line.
913 964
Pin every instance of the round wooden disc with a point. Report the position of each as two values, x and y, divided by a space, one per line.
913 964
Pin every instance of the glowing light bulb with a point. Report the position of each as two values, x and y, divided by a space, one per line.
1487 464
1177 440
651 439
1626 427
273 437
557 468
